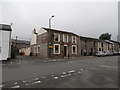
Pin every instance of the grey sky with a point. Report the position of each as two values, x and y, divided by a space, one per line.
84 18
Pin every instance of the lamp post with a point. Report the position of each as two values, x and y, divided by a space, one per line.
50 21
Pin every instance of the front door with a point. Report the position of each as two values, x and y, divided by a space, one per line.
65 51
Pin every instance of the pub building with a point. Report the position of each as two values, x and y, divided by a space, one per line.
52 43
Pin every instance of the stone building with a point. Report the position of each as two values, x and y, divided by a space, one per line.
88 45
51 43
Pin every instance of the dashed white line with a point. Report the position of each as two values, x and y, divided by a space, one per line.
24 81
71 71
37 82
63 72
15 83
16 86
55 77
65 75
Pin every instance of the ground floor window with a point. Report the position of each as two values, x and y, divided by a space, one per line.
56 49
74 49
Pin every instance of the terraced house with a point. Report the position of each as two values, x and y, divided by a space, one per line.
88 45
51 43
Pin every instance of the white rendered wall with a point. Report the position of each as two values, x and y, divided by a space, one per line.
33 39
4 42
42 31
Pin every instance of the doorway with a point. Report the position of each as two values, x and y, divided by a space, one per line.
65 51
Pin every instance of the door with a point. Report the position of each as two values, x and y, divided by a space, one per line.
65 51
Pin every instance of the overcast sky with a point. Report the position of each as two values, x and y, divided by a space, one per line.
84 18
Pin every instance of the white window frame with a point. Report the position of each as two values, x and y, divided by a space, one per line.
75 39
64 38
38 49
76 49
54 49
58 37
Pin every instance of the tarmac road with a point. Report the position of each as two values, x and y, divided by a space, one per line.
94 72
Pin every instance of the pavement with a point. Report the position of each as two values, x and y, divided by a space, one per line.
83 72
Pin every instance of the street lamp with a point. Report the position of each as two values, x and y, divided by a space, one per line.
50 21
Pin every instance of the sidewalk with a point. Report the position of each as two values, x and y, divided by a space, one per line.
24 59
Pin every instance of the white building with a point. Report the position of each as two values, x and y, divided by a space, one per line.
5 42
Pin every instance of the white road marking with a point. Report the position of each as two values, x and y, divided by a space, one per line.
16 86
43 77
36 79
55 77
65 75
71 71
37 82
15 83
63 72
24 81
108 66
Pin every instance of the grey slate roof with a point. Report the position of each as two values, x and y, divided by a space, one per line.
5 27
88 38
21 41
59 31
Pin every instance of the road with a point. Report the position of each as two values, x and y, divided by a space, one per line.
93 72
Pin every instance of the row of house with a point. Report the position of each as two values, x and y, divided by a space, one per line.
51 43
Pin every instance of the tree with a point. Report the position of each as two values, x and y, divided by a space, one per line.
105 36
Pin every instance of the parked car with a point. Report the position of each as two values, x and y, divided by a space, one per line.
100 54
109 53
119 53
115 53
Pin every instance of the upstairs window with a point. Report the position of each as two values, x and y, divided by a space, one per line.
65 38
102 44
74 39
56 37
